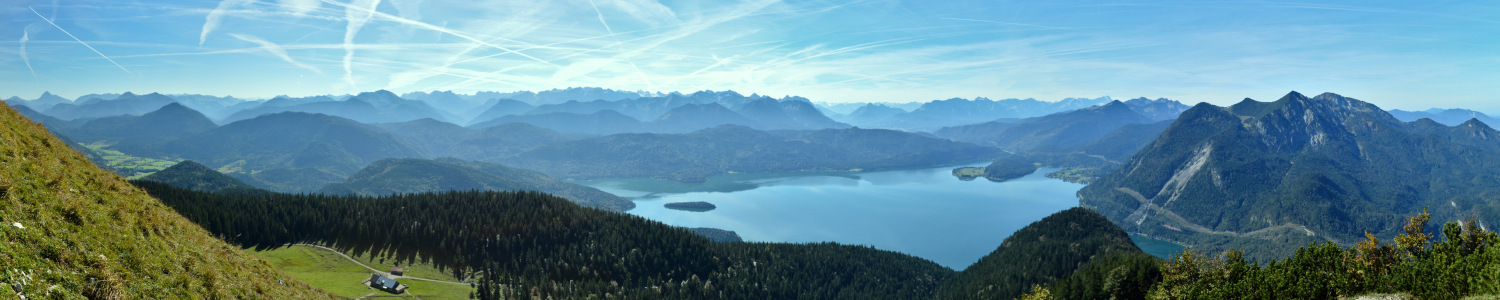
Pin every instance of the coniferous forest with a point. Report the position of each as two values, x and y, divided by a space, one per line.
526 244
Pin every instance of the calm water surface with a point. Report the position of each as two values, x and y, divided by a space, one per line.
925 212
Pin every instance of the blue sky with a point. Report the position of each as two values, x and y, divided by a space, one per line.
1397 54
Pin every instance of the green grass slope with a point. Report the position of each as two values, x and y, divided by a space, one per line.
86 233
339 276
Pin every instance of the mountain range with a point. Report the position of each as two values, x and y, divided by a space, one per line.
125 104
1268 177
732 148
370 107
953 112
411 176
303 152
1450 117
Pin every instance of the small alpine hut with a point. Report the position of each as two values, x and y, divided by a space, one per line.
385 284
397 272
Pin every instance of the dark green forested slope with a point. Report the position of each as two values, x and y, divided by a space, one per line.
528 244
74 231
1267 177
696 156
191 175
1051 249
413 175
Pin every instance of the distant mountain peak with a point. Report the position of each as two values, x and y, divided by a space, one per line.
174 106
1474 123
1328 95
1294 95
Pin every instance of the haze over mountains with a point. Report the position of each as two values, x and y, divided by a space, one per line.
1265 177
312 144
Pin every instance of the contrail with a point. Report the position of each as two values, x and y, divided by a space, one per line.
65 31
611 32
1006 23
355 23
601 17
275 50
25 36
440 29
211 22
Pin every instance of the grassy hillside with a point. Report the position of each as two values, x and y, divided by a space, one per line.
86 233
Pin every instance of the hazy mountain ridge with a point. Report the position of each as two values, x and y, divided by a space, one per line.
957 111
370 107
731 148
125 104
411 175
1450 117
44 102
291 140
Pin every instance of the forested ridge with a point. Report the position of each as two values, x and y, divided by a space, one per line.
1052 249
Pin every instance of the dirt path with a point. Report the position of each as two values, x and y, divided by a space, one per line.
382 273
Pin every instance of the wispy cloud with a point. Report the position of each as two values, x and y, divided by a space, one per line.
299 7
1006 23
91 48
356 14
211 22
26 36
370 11
276 50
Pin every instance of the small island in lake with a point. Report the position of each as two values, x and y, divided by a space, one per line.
1000 170
698 206
968 173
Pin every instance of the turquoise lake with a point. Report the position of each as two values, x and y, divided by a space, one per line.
927 213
